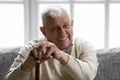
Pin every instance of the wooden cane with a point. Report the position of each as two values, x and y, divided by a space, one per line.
37 69
37 66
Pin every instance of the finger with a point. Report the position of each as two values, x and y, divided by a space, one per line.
44 47
49 57
40 55
43 50
50 51
37 52
34 53
37 45
40 51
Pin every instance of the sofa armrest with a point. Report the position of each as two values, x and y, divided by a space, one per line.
7 56
109 64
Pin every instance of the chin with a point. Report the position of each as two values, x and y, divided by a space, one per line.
64 46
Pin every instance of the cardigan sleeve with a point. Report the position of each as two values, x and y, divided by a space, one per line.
15 72
84 65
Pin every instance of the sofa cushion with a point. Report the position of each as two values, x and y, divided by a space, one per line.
7 56
109 64
108 69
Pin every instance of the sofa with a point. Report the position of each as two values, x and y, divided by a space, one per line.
108 69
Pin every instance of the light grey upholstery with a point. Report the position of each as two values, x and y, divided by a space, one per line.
7 56
109 64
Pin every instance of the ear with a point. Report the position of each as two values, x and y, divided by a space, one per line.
42 29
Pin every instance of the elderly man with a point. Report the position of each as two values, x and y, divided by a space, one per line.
61 57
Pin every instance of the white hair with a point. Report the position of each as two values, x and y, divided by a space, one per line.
54 11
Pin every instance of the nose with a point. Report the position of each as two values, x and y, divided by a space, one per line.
62 31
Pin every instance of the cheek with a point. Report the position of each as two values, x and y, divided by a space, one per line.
51 36
70 32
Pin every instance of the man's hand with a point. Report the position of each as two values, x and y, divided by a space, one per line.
44 51
47 50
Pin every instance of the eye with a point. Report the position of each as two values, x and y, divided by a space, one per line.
65 26
55 28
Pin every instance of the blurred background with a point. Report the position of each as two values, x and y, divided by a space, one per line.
97 21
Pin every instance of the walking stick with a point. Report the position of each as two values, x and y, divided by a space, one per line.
37 69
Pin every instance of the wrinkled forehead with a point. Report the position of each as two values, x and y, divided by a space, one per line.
63 18
60 19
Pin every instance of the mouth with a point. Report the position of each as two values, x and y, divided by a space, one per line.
62 38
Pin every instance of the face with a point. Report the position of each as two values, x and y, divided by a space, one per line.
59 30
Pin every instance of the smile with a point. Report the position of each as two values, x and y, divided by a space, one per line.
63 37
